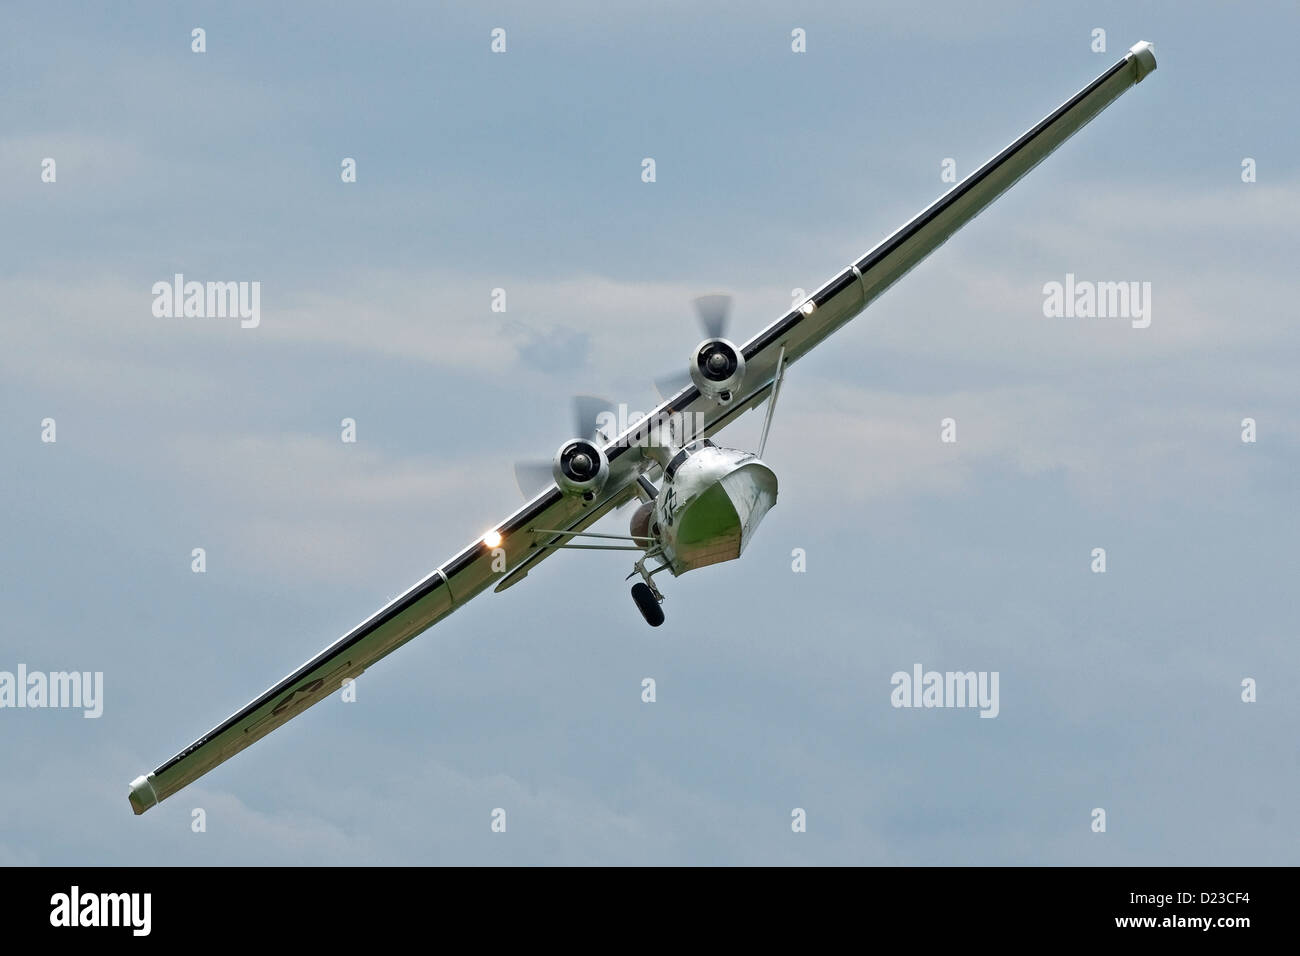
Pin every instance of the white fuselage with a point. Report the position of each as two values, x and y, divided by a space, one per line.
710 505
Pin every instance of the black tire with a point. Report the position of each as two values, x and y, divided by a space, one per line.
647 604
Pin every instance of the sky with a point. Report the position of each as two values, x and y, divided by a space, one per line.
1119 691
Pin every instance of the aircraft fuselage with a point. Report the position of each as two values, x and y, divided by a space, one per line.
710 505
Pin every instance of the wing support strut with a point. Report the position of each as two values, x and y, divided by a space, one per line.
593 534
771 402
639 542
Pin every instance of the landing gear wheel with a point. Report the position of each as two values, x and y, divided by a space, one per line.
648 604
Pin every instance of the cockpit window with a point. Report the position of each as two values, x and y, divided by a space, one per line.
673 465
685 453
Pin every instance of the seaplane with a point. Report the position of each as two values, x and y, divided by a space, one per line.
698 502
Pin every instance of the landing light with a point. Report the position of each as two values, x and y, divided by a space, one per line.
492 539
808 308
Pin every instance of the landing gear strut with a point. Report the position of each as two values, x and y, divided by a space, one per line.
645 594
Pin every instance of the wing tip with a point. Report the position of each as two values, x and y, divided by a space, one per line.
1145 56
142 794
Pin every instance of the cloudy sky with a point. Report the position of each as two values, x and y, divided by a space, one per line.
1120 691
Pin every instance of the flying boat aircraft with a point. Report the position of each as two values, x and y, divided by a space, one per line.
698 502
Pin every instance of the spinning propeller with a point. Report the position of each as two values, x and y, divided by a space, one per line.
713 312
535 475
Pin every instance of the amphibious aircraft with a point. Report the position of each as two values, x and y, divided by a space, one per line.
698 503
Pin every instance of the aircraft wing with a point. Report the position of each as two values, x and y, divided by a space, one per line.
478 566
429 601
855 287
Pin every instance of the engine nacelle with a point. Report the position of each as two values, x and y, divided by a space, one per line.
717 369
580 468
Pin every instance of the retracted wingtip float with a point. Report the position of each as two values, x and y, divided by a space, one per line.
699 503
